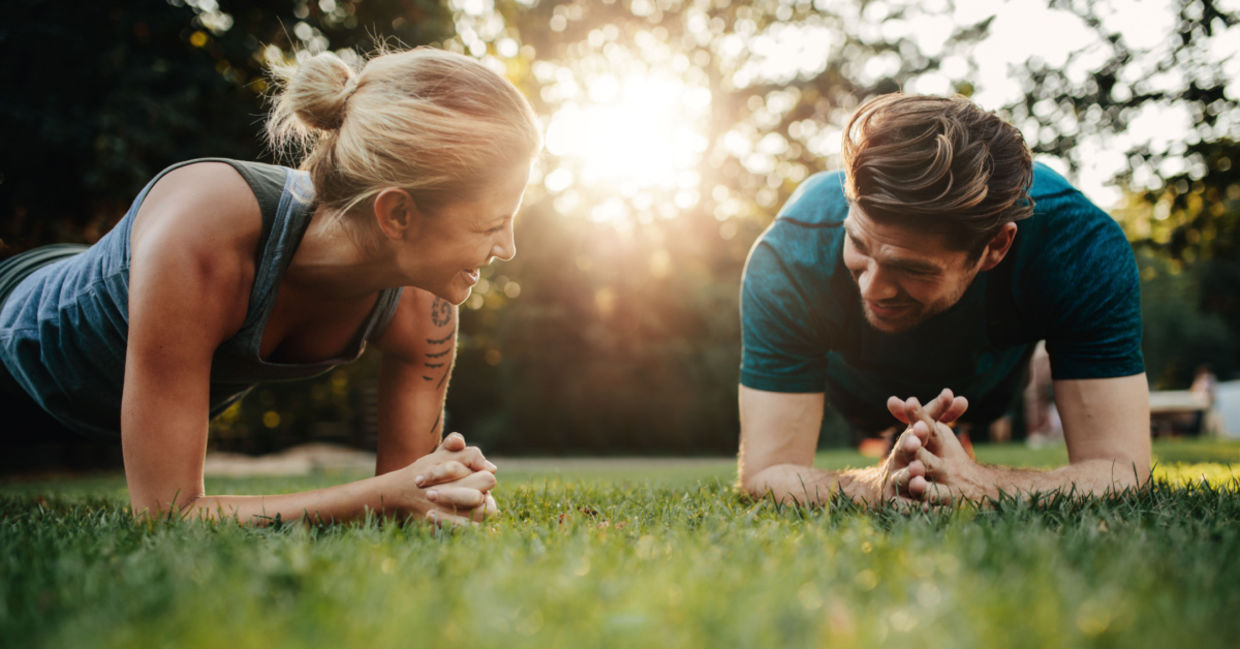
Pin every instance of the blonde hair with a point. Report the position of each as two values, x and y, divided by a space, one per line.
436 124
939 164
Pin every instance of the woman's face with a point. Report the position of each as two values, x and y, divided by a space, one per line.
457 240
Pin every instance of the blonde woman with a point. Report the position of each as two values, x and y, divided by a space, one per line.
226 273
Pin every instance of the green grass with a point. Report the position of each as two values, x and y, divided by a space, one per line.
637 557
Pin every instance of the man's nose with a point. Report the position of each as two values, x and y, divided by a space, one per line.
875 284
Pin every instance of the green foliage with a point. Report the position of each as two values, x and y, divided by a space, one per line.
647 557
104 95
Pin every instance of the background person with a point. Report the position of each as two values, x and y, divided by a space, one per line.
225 273
937 259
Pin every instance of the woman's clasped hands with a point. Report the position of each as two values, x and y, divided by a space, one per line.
450 485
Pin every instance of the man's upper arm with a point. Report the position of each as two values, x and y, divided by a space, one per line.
782 347
1107 419
777 428
1093 295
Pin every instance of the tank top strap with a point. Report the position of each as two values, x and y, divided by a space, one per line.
284 225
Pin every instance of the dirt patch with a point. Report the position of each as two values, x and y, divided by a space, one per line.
317 457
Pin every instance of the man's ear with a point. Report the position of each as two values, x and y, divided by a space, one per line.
999 246
395 212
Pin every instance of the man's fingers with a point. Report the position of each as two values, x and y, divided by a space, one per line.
898 480
936 436
938 405
917 487
955 410
904 450
931 462
895 405
938 494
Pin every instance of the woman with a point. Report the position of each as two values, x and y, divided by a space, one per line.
225 273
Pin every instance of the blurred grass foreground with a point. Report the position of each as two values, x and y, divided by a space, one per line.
635 555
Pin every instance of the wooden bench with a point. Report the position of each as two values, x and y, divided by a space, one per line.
1177 412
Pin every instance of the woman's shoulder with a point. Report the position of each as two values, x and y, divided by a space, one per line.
199 224
205 204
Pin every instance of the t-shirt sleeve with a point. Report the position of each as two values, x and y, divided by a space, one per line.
782 351
1095 327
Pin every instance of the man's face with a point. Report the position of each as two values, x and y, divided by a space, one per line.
904 276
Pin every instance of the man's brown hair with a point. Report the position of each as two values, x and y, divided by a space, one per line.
937 164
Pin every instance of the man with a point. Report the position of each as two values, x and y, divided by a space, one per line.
936 261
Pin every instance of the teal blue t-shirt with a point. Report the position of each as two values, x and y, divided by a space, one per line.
1070 279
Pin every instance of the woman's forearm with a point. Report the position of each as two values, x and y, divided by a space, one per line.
337 503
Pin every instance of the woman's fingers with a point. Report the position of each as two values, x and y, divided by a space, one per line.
473 458
442 518
468 492
443 472
452 497
453 443
470 456
487 510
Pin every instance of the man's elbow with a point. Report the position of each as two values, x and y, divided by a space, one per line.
1120 473
1132 472
752 481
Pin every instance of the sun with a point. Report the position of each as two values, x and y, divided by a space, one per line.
637 138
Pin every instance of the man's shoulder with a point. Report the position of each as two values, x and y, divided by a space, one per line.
818 202
804 236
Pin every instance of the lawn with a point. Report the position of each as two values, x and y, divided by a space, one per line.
629 555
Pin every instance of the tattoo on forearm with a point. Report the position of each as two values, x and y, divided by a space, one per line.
440 341
435 426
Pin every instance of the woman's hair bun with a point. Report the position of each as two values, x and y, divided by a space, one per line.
316 92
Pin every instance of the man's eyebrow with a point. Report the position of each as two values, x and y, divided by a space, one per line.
853 237
914 265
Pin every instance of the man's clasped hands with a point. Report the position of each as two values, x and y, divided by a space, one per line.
928 465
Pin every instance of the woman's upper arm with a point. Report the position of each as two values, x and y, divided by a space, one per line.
418 351
422 333
190 268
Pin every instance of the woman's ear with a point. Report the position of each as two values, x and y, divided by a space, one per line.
395 213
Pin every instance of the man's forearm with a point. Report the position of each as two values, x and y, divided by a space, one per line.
805 485
1086 477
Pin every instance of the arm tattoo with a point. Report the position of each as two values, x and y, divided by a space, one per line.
441 312
440 341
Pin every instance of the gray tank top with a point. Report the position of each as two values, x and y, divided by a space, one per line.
63 327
